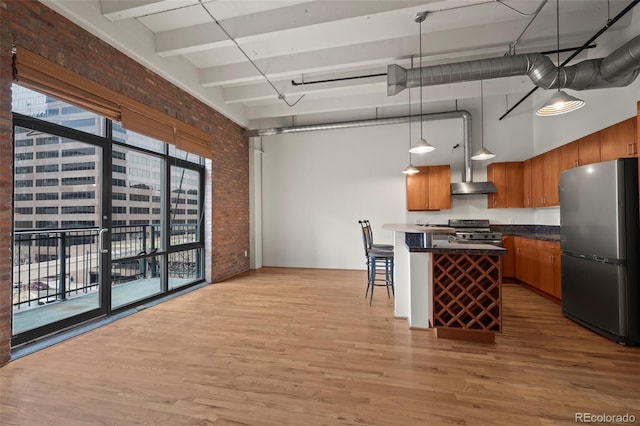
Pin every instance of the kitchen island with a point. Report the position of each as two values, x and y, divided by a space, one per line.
454 288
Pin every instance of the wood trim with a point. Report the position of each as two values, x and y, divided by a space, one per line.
468 335
38 73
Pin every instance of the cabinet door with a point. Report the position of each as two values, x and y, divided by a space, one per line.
418 190
569 154
619 140
509 259
546 264
589 149
557 271
496 173
526 183
537 179
439 187
527 261
515 182
552 160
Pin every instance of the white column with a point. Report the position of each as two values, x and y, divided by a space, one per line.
255 203
401 276
421 278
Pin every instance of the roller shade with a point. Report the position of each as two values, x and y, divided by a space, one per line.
37 73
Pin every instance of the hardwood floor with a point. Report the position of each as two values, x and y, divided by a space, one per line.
303 347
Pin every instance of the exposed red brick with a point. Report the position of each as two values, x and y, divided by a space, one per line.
35 27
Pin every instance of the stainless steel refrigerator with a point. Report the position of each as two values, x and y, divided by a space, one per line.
599 236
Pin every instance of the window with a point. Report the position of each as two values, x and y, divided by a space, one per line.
21 156
155 199
78 152
118 209
23 183
138 210
138 197
23 210
118 155
46 210
23 224
69 167
23 142
46 224
50 140
47 182
118 169
23 170
118 182
118 196
47 154
47 168
79 195
78 223
75 124
84 180
47 196
23 197
78 209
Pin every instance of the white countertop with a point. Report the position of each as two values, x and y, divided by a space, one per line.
420 229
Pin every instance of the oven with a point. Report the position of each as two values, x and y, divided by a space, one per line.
474 231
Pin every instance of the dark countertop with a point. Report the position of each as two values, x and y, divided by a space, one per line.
534 232
441 247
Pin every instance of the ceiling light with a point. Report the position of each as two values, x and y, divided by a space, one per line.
484 153
560 102
410 170
422 146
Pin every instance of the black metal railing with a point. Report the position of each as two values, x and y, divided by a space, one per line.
56 264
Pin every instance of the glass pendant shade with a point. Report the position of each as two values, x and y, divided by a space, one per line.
483 154
559 103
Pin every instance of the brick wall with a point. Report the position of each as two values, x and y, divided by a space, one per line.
35 27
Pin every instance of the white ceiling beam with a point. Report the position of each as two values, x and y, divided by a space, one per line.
116 10
209 36
443 45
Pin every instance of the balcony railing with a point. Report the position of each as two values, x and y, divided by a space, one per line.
54 265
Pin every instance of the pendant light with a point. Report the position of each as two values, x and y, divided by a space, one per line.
561 102
422 145
484 153
410 169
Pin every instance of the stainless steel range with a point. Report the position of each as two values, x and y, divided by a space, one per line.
475 231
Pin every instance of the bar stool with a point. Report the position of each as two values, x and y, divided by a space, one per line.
379 263
372 245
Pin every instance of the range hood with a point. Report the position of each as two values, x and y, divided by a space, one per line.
468 186
463 188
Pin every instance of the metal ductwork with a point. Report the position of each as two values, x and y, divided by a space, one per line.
467 186
618 69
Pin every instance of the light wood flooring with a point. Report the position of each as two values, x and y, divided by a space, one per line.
303 347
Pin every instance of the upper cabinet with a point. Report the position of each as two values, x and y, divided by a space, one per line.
508 179
545 172
526 184
430 189
589 149
619 140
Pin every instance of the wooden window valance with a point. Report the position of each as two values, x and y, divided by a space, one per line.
38 73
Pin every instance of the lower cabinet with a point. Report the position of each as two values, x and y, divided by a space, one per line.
537 263
509 259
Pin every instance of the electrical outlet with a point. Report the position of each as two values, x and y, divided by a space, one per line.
246 253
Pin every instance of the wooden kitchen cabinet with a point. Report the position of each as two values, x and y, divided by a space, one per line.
526 183
545 178
509 259
430 189
569 153
589 149
619 140
508 179
537 263
527 261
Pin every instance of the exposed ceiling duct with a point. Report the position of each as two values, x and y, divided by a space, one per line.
467 186
618 69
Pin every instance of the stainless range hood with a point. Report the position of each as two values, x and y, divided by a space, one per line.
468 186
463 188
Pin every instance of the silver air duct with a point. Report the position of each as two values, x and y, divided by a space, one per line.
618 69
467 186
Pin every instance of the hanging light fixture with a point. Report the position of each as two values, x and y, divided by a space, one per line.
410 169
483 153
561 102
422 145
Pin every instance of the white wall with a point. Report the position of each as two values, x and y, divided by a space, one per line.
317 185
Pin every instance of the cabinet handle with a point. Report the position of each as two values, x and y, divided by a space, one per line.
635 148
575 163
